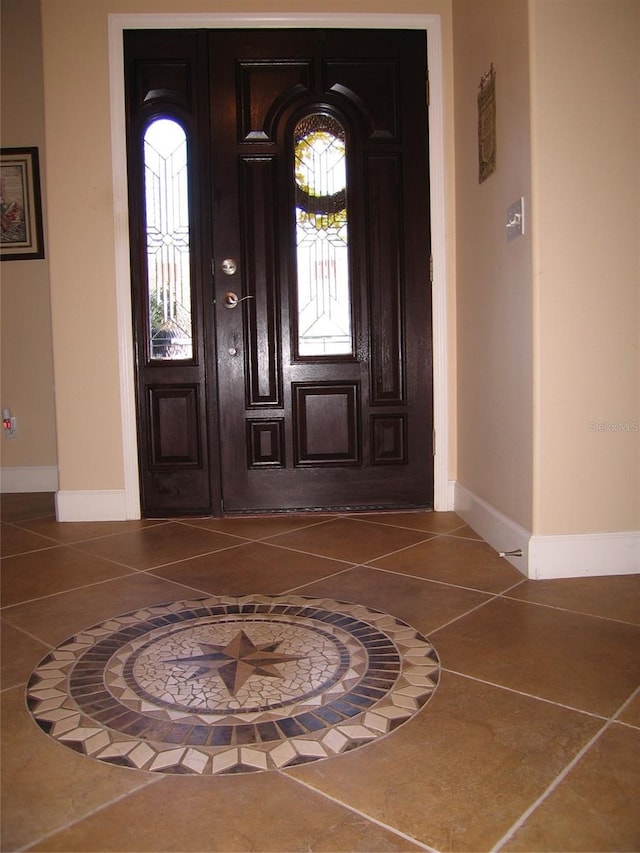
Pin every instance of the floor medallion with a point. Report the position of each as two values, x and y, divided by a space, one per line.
233 684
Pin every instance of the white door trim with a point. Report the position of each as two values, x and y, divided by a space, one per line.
432 25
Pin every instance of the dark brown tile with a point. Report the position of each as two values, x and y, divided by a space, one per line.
261 812
156 546
41 573
595 807
255 567
422 604
463 562
577 660
14 540
59 617
615 597
351 540
463 770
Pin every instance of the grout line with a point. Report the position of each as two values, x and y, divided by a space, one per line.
608 722
535 696
412 529
433 580
131 574
622 707
462 615
161 565
354 810
150 526
566 609
453 533
514 586
7 607
239 594
564 773
48 517
428 538
633 726
27 634
303 586
92 812
189 586
315 554
54 544
225 548
476 538
549 789
316 523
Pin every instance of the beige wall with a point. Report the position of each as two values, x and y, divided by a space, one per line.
493 276
547 325
81 217
27 371
586 143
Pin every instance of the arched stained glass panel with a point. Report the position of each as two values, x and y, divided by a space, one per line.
167 235
323 287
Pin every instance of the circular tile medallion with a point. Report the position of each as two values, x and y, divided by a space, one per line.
233 684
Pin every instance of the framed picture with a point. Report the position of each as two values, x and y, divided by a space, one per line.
487 125
21 236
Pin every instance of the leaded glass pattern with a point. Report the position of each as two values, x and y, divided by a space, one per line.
167 235
323 287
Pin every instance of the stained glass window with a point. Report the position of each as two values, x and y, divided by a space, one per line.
323 287
167 231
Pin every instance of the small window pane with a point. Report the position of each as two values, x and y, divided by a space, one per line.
167 218
324 291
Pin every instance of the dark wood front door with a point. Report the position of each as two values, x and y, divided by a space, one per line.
303 380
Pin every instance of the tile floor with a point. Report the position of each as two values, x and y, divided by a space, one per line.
531 741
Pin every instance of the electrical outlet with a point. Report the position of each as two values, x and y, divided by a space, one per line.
10 427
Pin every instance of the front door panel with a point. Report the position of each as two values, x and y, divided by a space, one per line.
167 81
308 381
321 431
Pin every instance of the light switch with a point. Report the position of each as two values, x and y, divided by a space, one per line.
515 219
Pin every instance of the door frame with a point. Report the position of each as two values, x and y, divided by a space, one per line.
431 24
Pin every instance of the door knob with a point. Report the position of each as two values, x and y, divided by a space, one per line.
232 299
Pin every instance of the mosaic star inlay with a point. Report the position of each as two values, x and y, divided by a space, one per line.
233 684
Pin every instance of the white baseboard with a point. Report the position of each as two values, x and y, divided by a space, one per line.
496 529
554 556
584 555
445 497
36 478
102 505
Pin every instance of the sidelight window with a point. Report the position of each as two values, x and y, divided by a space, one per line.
323 288
167 238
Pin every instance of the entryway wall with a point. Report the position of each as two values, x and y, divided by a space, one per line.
569 322
548 325
29 461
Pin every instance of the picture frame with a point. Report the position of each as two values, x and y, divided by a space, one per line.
487 125
21 232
